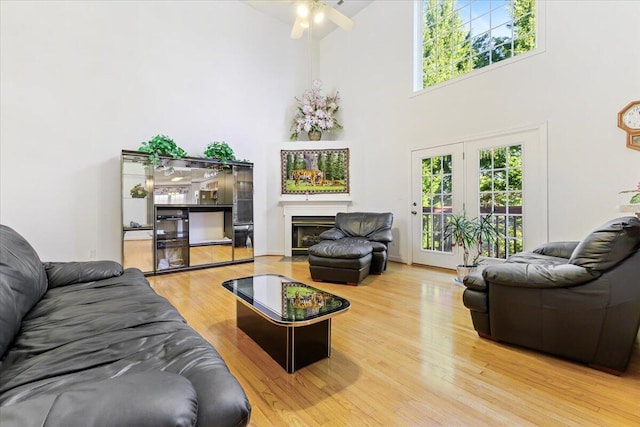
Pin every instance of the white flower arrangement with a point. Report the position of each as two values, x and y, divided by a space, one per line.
315 112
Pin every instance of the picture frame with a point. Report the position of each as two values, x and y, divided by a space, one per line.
315 171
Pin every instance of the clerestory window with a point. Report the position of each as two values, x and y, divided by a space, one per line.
460 36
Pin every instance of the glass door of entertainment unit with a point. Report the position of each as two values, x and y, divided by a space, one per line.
136 185
243 212
172 238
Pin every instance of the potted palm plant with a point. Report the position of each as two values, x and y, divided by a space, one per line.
470 234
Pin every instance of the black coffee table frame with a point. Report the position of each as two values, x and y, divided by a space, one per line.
292 342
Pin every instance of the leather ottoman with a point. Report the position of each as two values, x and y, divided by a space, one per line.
347 260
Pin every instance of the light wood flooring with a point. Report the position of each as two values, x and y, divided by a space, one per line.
405 354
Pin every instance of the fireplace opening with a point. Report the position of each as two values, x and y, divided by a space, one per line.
305 232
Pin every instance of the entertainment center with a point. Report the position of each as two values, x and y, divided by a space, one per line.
185 213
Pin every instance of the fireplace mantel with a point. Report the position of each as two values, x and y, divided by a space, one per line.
297 207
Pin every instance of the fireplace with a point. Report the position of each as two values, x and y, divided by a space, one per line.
307 208
305 231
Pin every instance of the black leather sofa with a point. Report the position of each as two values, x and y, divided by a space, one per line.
578 300
356 246
88 344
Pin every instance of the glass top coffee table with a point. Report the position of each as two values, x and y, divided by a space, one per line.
290 320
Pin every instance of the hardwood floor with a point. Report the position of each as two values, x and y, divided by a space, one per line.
405 354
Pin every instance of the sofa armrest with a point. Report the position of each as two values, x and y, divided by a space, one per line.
537 275
145 399
68 273
384 236
332 234
557 249
475 281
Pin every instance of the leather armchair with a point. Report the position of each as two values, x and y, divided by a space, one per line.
356 246
578 300
372 227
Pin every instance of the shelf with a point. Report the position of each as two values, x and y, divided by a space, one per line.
144 227
212 242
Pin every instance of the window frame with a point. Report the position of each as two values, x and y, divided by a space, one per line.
418 88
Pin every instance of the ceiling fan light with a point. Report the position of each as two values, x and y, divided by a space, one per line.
318 17
303 10
304 24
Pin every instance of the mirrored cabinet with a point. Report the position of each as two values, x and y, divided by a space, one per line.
185 214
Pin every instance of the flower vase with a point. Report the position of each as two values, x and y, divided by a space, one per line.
315 135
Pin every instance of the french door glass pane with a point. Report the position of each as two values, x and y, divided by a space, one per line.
500 194
437 197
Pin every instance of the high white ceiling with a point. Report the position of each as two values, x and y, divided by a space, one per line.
285 11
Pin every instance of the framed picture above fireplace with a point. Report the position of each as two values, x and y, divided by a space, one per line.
321 171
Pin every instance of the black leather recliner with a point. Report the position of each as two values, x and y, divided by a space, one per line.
356 246
579 300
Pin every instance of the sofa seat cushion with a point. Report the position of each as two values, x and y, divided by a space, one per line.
347 248
535 258
88 332
169 401
348 263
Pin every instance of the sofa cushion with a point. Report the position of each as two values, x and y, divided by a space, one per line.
22 283
349 247
68 273
535 258
557 249
153 399
608 244
373 226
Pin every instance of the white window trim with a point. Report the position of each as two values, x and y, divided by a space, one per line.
541 42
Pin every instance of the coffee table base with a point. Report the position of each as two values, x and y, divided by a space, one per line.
292 347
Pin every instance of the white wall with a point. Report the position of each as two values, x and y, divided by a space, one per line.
587 73
82 80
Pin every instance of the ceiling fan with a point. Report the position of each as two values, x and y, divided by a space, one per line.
317 10
307 12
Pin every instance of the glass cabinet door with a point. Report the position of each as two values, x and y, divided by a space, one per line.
243 248
137 212
172 238
137 192
243 195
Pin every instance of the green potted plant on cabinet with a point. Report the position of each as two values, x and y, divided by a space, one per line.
222 151
470 234
219 150
161 145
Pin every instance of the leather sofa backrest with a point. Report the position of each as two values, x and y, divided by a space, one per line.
363 224
609 244
23 282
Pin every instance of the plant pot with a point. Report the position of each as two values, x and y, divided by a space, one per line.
314 135
463 271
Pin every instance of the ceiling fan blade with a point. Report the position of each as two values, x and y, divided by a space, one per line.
298 28
338 18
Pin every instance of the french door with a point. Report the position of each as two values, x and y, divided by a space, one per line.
437 176
503 176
